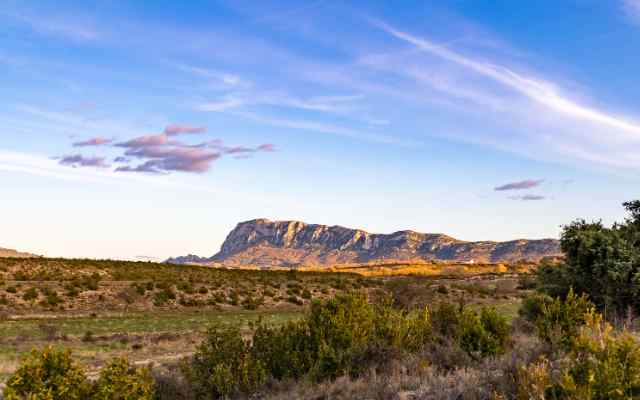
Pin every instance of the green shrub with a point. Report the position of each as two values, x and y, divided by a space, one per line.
603 262
600 365
47 374
532 306
306 294
71 291
12 289
486 333
185 287
163 296
52 299
252 303
30 294
223 366
560 320
479 334
120 381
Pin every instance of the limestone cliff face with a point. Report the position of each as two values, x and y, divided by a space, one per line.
290 243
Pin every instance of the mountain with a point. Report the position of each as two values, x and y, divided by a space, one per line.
14 253
293 243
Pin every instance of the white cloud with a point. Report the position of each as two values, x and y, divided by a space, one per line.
222 78
540 91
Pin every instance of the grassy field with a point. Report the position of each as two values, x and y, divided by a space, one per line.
158 313
144 337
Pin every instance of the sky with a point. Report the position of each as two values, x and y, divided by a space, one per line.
149 129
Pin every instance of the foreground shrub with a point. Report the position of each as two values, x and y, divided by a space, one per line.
51 374
599 366
603 262
120 381
559 321
485 334
47 374
346 335
479 334
531 307
223 366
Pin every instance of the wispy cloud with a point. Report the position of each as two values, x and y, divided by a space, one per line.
540 91
520 185
96 141
341 104
322 127
180 129
70 27
219 78
528 197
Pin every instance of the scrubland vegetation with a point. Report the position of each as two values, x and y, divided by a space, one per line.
567 331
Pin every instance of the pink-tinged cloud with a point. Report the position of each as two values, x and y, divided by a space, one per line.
96 141
528 197
520 185
164 159
268 147
78 160
145 141
161 153
239 150
178 129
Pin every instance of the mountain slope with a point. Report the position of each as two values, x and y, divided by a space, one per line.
14 253
290 243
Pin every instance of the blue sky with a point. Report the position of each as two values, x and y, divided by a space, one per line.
149 129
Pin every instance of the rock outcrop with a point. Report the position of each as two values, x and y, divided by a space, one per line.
292 243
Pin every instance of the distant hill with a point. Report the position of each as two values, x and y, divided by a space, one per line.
292 243
14 253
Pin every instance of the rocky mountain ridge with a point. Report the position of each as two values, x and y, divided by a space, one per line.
293 243
14 253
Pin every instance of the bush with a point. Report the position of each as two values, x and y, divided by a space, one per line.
532 306
600 261
223 366
163 296
30 294
252 303
485 334
47 374
120 381
560 321
52 299
599 366
479 334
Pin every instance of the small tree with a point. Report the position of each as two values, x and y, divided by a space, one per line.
47 374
